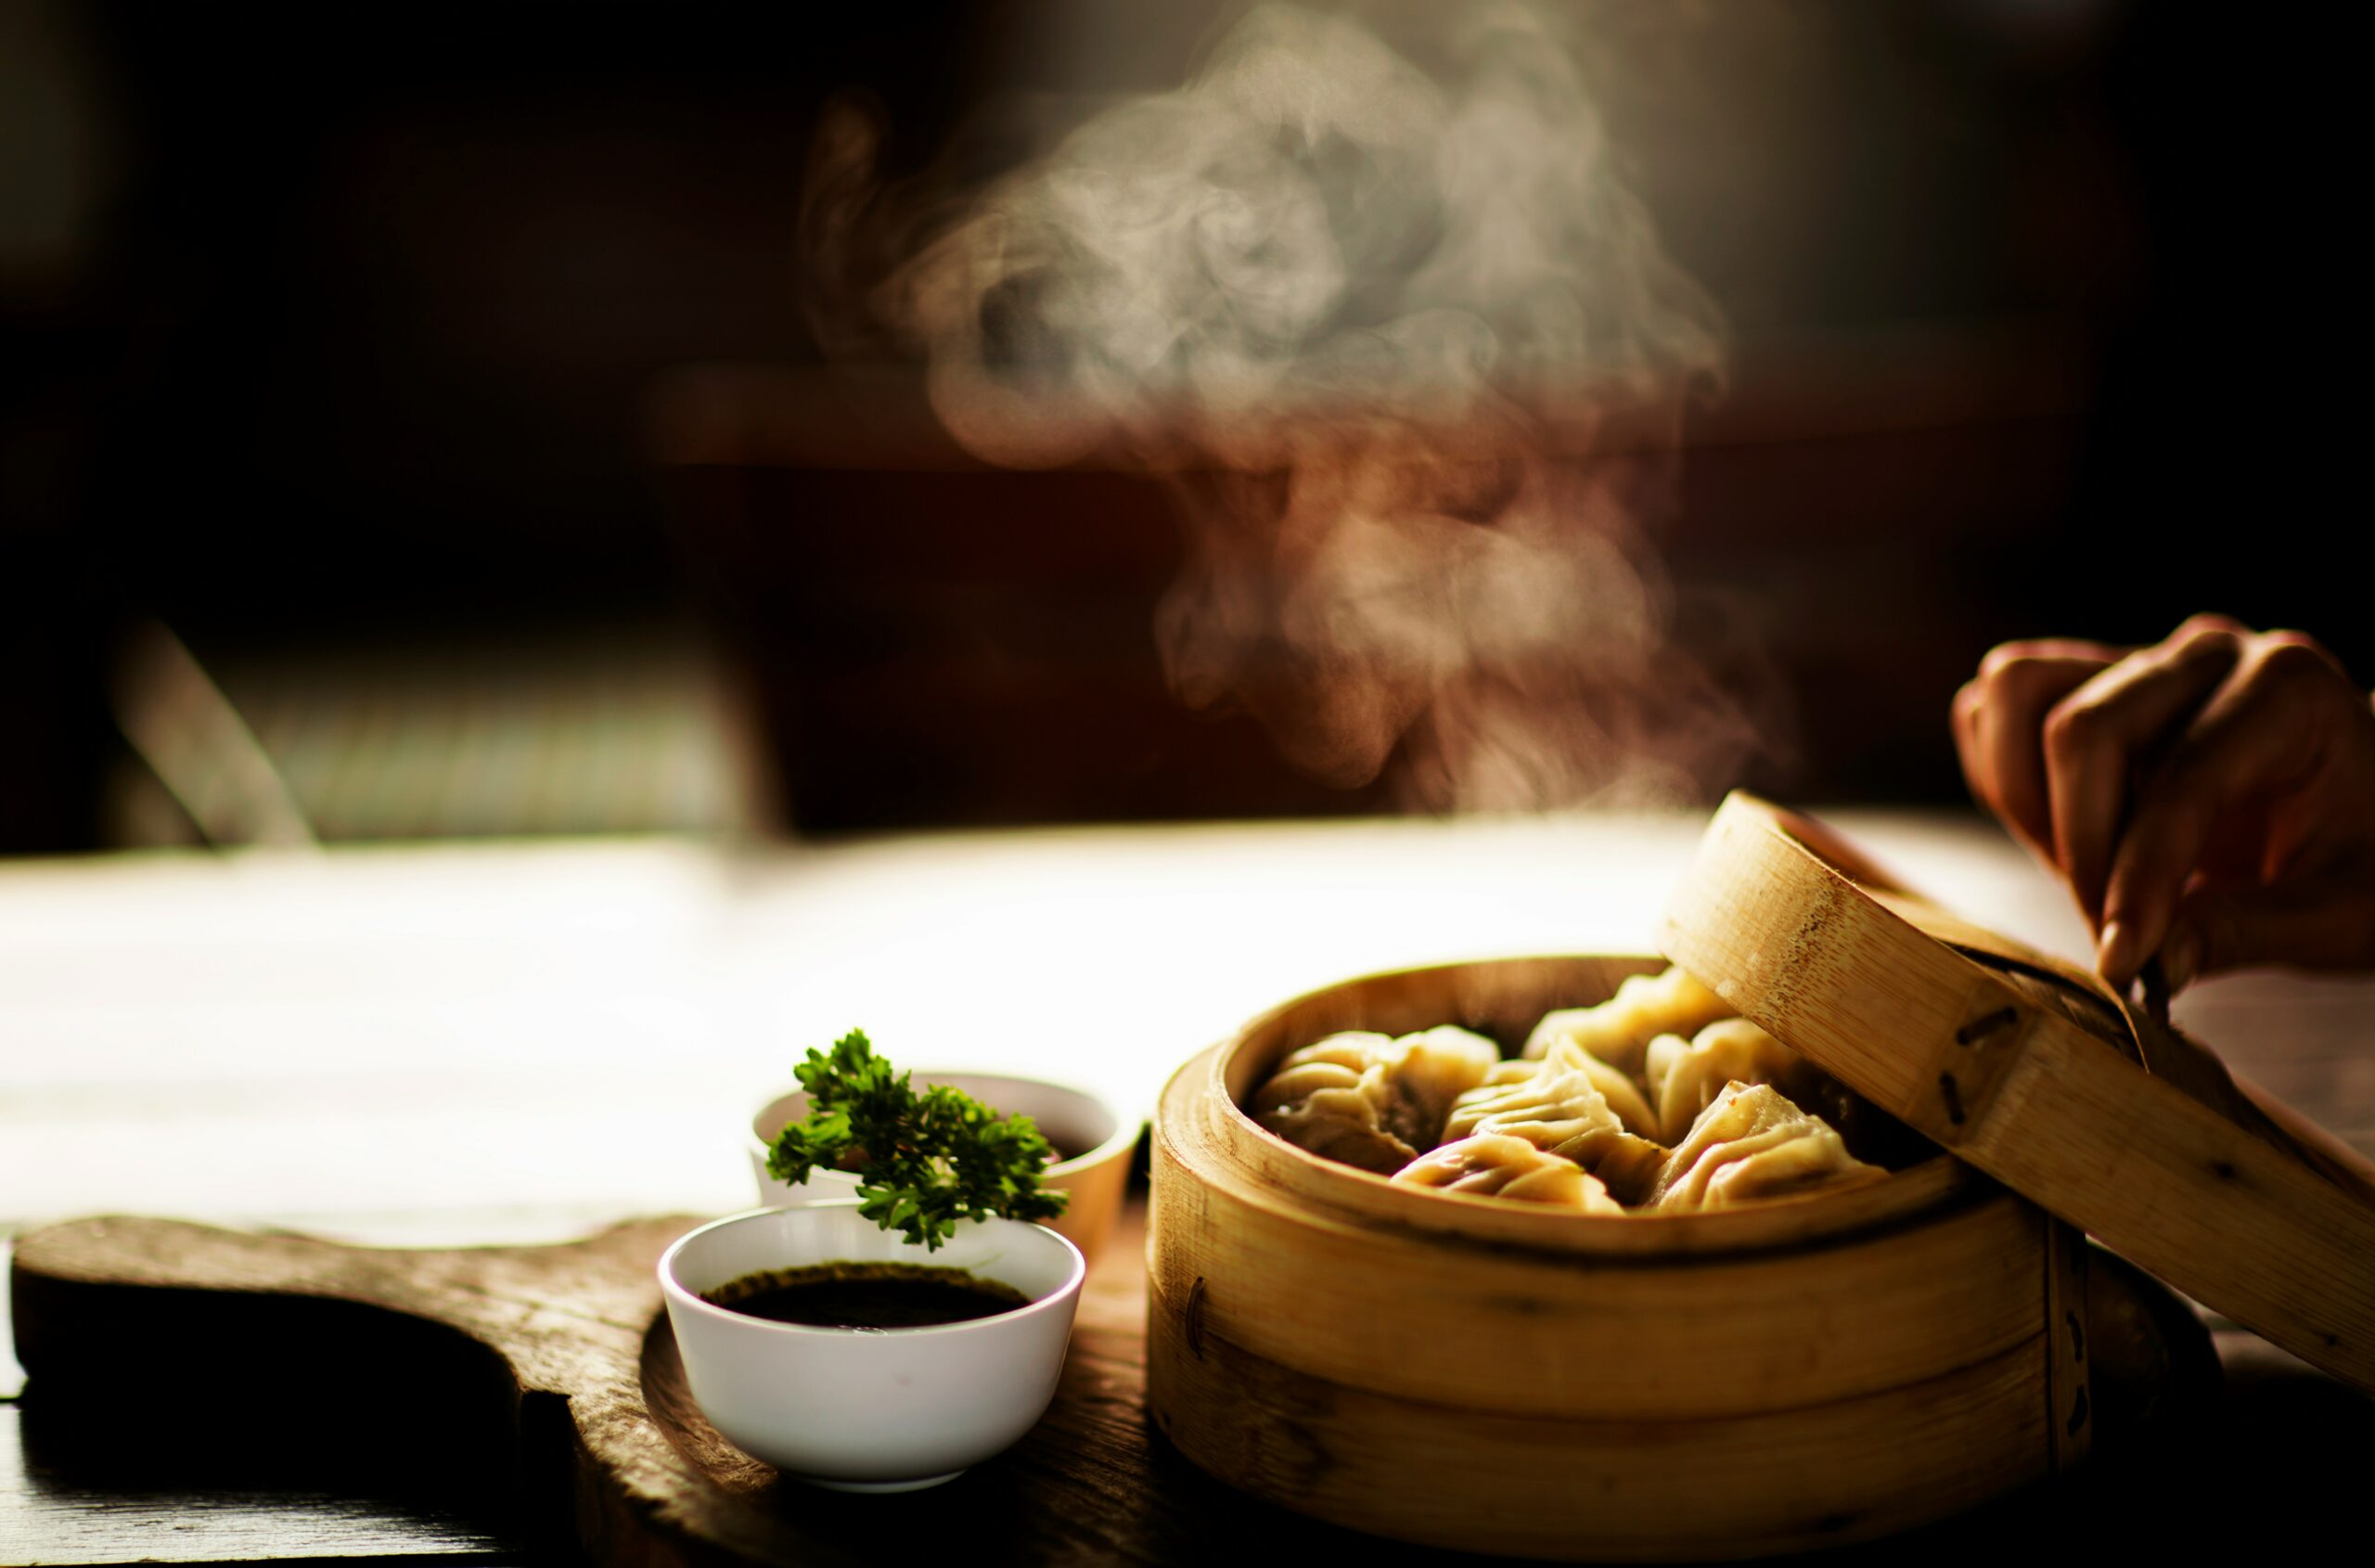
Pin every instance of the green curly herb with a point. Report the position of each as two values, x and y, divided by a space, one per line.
923 1161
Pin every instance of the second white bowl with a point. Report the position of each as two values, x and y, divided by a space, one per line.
1093 1179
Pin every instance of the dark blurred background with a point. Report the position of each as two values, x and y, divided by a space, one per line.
408 425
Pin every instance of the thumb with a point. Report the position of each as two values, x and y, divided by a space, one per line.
2324 922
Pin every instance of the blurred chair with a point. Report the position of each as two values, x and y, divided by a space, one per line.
634 730
198 750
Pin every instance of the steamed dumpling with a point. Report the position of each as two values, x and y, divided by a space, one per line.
1372 1100
1749 1145
1629 1168
1494 1165
1686 1075
1560 1110
1620 1029
1326 1098
1569 1128
1556 1110
1426 1073
1623 1095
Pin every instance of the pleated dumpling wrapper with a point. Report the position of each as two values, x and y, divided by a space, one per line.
1619 1029
1559 1111
1686 1075
1496 1165
1750 1145
1427 1073
1372 1100
1623 1095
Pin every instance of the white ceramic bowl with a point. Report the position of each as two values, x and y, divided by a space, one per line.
870 1409
1094 1179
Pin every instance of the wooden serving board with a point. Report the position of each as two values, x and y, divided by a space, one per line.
560 1359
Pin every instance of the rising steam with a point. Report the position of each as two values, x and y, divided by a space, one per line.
1410 348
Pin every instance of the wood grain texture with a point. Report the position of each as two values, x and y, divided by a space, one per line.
576 1332
1556 1488
73 1494
592 1421
1337 1292
627 1470
219 1035
1512 1379
2069 1396
2233 1217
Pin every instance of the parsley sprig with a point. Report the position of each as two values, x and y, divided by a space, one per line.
929 1158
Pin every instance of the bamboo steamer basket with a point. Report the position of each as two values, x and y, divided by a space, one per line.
1487 1375
2030 1070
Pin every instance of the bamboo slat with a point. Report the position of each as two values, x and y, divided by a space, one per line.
1561 1487
1475 1323
2158 1165
1500 1377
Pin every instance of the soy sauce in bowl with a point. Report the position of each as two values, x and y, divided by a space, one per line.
866 1295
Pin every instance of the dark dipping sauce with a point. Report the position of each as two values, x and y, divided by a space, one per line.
866 1295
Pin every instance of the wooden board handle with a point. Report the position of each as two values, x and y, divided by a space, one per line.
523 1303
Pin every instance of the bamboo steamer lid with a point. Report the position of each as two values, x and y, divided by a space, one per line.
2033 1070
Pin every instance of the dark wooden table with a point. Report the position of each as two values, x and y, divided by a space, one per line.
514 1044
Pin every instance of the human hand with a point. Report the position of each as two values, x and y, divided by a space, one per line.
2210 799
